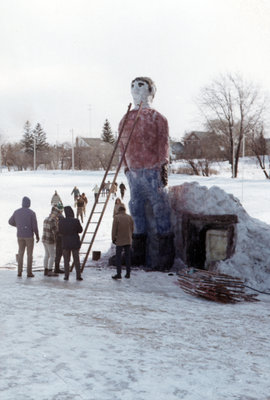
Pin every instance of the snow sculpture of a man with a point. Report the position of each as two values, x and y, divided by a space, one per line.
146 166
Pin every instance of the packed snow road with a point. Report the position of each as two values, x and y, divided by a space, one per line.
142 338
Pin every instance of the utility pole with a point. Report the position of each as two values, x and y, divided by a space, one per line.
233 154
35 155
72 150
243 164
57 133
90 109
0 158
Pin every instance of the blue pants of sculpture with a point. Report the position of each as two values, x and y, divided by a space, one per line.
149 204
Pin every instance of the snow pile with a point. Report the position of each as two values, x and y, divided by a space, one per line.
142 338
251 260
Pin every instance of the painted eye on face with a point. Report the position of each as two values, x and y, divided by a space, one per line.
141 84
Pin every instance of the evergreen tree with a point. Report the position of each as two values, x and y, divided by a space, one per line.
40 138
107 134
28 139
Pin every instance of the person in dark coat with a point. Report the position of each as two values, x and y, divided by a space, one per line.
58 243
70 228
25 221
122 188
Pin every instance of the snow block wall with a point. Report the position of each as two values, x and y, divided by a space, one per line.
251 259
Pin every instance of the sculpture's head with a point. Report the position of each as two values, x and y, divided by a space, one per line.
143 89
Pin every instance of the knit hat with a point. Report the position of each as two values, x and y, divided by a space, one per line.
55 210
60 206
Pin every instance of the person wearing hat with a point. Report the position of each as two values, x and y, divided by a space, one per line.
49 241
122 230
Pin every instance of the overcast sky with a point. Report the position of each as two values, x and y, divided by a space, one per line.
68 64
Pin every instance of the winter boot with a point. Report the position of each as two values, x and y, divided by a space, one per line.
57 270
127 276
138 251
117 276
51 273
46 271
160 256
19 267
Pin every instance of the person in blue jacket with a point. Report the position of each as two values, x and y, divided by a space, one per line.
25 221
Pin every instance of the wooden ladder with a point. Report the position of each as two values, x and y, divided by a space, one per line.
99 207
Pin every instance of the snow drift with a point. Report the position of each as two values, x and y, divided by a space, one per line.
251 260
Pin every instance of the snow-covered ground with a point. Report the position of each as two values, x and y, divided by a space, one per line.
132 340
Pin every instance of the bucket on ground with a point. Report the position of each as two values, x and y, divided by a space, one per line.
96 255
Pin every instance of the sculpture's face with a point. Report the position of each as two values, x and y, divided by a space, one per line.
140 92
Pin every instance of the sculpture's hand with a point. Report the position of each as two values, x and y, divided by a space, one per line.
164 174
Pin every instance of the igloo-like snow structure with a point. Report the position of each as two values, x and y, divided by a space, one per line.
250 251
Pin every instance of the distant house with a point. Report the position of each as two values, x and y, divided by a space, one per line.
89 142
94 144
199 144
96 151
267 142
176 149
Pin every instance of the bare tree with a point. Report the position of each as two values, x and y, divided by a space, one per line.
62 156
14 156
258 145
232 108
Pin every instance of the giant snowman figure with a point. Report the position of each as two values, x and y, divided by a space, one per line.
146 167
